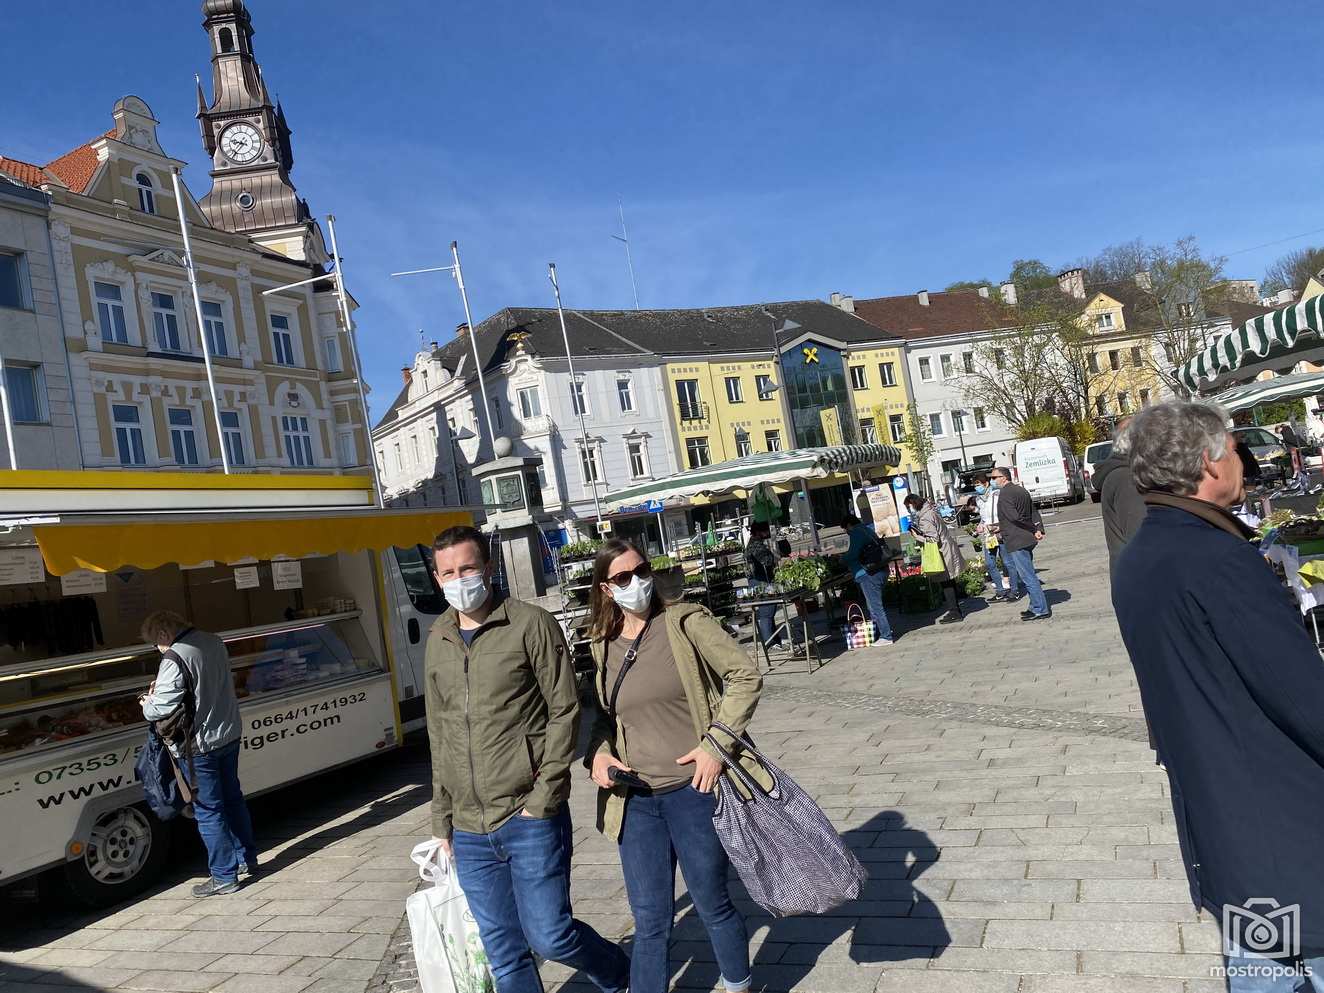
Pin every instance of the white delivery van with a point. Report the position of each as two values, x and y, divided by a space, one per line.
1049 471
309 584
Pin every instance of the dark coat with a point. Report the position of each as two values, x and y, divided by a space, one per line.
1233 689
1017 518
1123 510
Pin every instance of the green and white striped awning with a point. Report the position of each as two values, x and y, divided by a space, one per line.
746 473
1294 387
1276 334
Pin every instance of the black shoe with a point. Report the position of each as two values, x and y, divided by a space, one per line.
216 887
1030 615
951 617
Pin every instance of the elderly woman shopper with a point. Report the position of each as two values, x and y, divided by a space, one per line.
666 674
927 526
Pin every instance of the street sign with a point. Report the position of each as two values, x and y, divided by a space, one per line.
604 529
653 506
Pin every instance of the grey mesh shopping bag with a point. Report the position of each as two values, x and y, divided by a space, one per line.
785 850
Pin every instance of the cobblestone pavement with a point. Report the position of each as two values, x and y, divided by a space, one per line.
993 776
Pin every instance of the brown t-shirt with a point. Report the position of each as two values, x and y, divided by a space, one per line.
652 709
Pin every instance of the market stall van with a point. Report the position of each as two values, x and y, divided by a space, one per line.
1047 468
300 575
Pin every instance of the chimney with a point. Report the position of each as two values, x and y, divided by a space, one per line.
1144 282
983 292
407 374
1009 294
835 299
842 302
1072 283
923 297
434 345
461 329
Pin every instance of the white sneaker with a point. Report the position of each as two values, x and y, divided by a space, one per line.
882 641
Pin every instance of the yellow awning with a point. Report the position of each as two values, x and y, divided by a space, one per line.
147 545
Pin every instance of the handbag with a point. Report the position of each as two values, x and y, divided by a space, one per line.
930 562
447 948
860 631
785 850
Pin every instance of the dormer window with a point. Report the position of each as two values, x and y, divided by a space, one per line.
146 193
227 40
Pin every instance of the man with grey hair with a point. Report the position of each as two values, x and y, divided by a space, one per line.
1119 500
1234 692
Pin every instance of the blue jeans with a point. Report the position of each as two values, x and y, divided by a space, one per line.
765 619
222 814
995 574
872 588
1021 565
1250 974
659 831
517 880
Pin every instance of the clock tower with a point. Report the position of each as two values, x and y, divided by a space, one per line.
249 143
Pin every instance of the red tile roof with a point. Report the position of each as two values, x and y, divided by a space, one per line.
74 169
24 172
947 313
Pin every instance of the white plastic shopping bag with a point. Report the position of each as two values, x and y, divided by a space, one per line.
447 949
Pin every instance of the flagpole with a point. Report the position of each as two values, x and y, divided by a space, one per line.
202 329
473 347
576 399
9 419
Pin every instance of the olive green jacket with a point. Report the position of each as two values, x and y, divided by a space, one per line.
722 683
503 717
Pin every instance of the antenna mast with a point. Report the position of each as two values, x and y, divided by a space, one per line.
624 238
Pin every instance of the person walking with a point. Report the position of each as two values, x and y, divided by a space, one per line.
866 560
986 504
1119 501
195 663
927 526
1233 688
666 674
1020 529
503 719
762 564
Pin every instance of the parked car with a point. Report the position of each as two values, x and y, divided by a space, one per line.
1274 461
1094 454
1048 469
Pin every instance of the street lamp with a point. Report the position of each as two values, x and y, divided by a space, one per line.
784 400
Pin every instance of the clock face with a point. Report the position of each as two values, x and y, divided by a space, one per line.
241 143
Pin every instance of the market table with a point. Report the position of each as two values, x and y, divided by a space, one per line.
784 600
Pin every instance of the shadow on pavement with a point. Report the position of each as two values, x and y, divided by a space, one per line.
32 977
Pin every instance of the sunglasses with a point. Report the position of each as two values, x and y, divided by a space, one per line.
622 579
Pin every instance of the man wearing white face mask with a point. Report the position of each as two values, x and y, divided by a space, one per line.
503 714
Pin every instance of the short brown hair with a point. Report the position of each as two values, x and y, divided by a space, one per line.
162 627
458 535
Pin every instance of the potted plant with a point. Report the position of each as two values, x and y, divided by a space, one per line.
579 551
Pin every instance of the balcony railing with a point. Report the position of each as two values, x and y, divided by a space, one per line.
696 411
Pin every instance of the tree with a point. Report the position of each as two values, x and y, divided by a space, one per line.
1293 270
1040 425
919 439
1031 277
966 284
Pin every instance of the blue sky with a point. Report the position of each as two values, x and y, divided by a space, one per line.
764 150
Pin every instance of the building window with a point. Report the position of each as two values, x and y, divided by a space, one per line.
743 445
26 386
734 394
625 394
958 421
772 440
213 325
399 458
948 369
868 436
1124 402
183 442
1092 361
1137 356
578 398
981 419
926 369
128 434
530 402
13 282
234 437
687 397
763 386
637 455
1185 310
166 323
859 378
968 362
146 193
498 421
590 463
1101 406
346 449
110 312
331 357
299 441
896 424
414 450
696 452
1104 321
1114 359
1144 398
282 341
886 374
1000 358
935 425
381 463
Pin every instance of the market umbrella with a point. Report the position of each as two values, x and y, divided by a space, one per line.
1270 341
1294 387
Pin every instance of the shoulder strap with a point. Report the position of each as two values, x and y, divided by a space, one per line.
627 663
184 673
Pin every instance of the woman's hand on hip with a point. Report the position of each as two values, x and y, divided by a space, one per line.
603 763
706 768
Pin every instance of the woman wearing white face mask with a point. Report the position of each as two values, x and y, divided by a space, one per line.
665 673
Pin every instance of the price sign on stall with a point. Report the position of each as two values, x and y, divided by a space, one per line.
21 565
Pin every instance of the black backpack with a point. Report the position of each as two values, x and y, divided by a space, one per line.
872 558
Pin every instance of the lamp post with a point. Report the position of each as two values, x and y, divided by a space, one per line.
784 399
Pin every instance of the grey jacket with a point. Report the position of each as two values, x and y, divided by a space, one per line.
1123 509
216 722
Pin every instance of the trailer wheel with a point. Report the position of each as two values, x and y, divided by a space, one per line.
125 852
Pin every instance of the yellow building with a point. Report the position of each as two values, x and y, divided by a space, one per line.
1121 361
878 388
722 408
